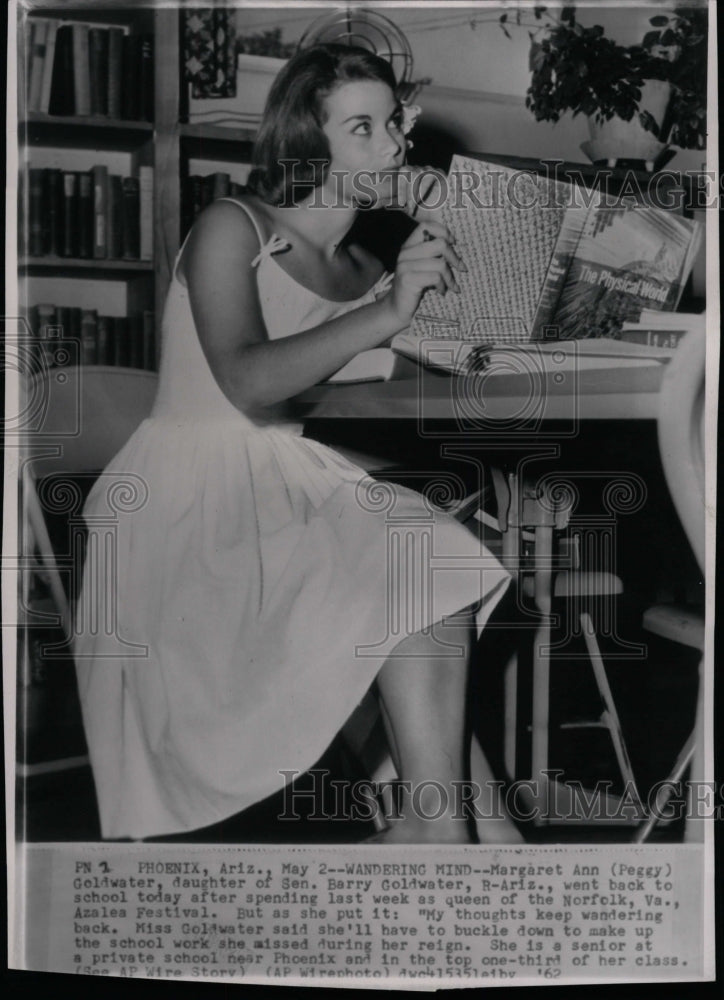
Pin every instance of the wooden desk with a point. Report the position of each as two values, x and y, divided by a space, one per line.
520 401
515 413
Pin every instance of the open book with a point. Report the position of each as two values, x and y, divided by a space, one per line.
549 260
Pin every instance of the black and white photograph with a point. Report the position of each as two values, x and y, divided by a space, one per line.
361 378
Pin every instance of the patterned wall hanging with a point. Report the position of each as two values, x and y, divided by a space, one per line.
209 52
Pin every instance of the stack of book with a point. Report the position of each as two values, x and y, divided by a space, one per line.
662 329
88 214
199 191
84 69
68 335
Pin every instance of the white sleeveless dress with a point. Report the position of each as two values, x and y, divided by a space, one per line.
254 585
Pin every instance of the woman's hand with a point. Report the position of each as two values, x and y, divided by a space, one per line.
425 261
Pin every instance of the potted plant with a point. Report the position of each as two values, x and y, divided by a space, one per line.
637 98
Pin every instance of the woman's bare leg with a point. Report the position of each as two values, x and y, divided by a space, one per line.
423 689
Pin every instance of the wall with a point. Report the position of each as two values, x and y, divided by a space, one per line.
479 77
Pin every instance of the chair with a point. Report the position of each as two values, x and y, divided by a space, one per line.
532 520
81 418
681 443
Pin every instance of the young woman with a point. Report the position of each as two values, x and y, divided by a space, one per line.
252 607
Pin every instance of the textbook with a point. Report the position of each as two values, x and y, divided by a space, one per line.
549 260
660 329
609 264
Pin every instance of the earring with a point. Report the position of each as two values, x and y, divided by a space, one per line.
410 143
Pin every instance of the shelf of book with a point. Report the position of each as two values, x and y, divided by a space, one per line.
75 131
87 143
75 267
217 133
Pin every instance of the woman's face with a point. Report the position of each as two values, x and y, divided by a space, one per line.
364 131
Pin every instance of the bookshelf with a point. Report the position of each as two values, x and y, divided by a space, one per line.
86 141
124 287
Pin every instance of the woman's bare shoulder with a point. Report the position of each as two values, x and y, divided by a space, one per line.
224 230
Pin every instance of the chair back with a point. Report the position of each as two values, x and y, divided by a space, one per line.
681 436
77 419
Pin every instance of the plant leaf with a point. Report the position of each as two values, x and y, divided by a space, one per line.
659 21
649 122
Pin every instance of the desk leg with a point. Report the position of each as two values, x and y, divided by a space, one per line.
541 657
511 561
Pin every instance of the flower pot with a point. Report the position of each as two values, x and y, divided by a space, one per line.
616 139
254 77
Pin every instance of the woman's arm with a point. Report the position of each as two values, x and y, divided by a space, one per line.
254 371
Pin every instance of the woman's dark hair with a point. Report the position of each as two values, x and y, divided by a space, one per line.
291 128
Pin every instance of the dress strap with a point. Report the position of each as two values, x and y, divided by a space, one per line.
273 245
266 248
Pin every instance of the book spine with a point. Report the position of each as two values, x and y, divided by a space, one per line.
27 66
37 63
70 214
100 212
145 186
569 235
654 338
221 185
98 70
122 341
115 217
81 70
75 337
46 332
52 210
34 338
145 78
48 66
24 213
207 190
89 337
130 92
85 214
36 247
149 340
104 348
113 84
62 92
131 219
62 358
